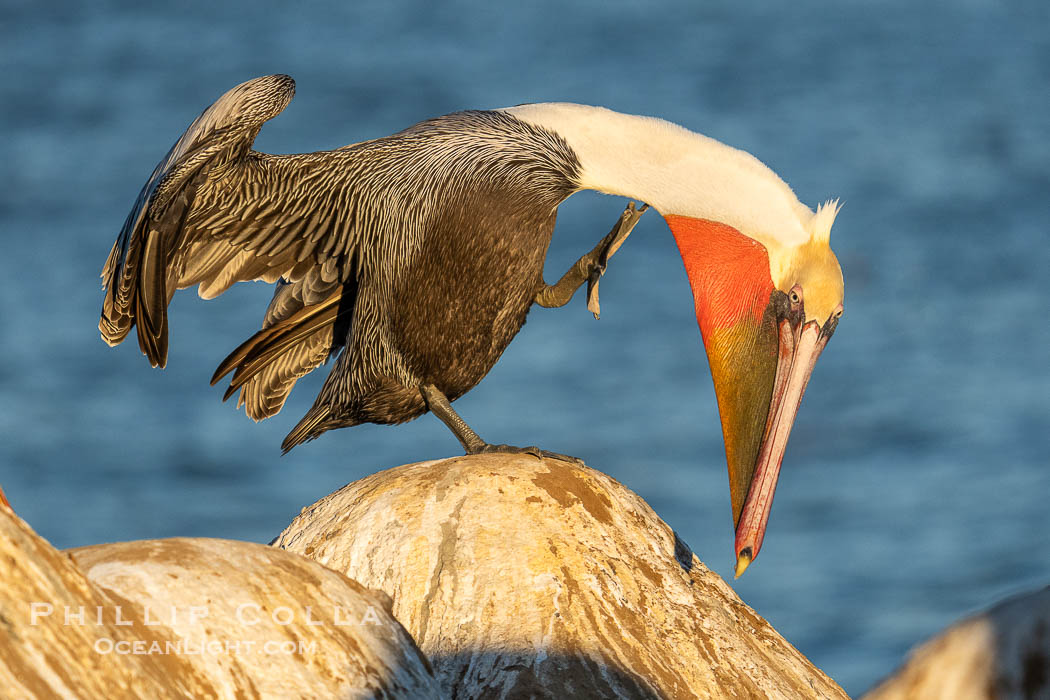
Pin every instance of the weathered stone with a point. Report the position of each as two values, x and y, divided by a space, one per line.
1000 654
276 624
523 578
44 654
159 619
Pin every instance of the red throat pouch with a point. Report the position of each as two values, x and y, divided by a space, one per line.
728 272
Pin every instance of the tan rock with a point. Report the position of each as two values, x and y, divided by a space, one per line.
42 655
270 624
1000 654
519 577
142 620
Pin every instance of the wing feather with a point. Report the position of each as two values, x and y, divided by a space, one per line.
150 248
295 339
265 393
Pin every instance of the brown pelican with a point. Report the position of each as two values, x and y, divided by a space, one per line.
413 260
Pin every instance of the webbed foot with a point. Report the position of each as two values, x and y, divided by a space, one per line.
590 267
486 448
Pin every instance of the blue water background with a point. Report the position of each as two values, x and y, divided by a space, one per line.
915 488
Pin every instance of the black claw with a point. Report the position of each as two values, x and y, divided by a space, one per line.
530 450
563 458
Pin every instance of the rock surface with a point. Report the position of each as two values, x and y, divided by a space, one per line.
159 619
43 657
1000 654
523 578
275 624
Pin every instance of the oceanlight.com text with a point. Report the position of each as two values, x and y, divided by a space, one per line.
203 647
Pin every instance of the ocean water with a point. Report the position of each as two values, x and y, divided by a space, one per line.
916 483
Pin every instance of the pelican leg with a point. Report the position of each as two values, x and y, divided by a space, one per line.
440 406
590 267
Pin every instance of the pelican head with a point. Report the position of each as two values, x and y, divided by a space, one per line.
766 310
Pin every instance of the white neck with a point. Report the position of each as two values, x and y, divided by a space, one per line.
676 171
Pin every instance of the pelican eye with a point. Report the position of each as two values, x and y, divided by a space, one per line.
795 297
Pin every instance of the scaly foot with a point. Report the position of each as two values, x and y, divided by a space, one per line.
590 267
530 450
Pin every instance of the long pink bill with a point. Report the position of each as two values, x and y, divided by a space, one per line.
798 354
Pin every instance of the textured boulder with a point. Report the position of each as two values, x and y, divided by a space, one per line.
45 655
192 618
267 622
1000 654
519 577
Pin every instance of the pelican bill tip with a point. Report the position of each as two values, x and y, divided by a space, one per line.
743 560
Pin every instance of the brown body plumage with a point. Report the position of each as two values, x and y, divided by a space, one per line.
414 258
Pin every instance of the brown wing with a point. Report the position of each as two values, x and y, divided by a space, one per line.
296 337
214 213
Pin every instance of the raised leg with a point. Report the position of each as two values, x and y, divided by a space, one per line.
440 406
591 266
